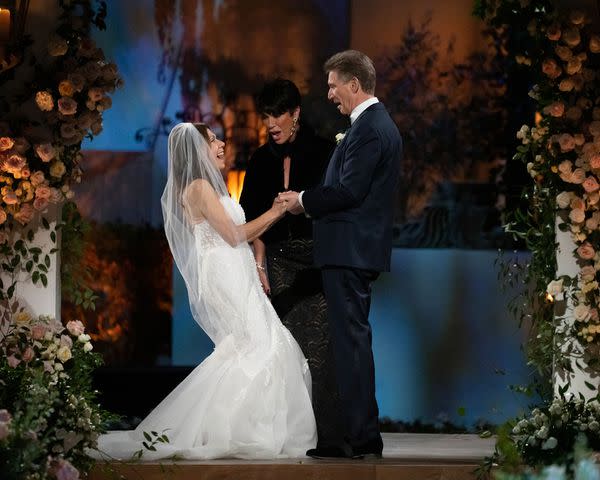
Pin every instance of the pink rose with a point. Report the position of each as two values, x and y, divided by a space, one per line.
588 273
67 106
75 328
13 361
28 355
43 191
48 366
45 151
38 331
40 204
551 68
590 184
595 161
25 214
586 251
65 471
565 166
594 315
65 341
6 143
37 178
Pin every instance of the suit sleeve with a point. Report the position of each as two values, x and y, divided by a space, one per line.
361 159
251 199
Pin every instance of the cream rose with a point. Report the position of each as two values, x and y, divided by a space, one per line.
64 354
57 169
87 347
578 176
555 288
22 318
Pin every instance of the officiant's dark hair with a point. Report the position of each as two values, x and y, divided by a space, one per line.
277 97
352 63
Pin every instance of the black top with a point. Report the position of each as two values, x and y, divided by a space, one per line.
309 156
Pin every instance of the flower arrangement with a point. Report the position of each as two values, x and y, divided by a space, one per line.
43 122
48 417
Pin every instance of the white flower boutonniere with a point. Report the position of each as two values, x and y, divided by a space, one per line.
339 137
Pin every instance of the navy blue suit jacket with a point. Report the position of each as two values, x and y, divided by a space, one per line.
353 208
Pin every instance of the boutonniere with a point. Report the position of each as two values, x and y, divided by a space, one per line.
339 137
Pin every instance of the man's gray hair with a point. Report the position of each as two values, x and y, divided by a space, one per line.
352 63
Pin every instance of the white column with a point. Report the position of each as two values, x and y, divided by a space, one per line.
567 265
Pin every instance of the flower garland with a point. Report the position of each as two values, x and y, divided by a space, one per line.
40 151
562 154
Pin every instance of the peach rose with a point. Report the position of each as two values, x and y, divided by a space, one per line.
45 151
590 184
564 53
553 33
68 130
44 101
595 44
577 17
37 178
594 128
574 66
40 204
67 106
95 94
588 273
566 85
574 113
566 142
14 163
10 198
556 109
551 68
28 355
595 161
6 143
577 215
586 251
591 224
77 80
578 176
577 202
25 214
66 88
571 37
578 82
3 216
57 46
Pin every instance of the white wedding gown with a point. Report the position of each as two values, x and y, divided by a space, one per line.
251 397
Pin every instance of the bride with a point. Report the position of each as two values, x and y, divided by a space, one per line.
251 397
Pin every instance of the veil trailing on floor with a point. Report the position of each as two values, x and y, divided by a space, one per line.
193 179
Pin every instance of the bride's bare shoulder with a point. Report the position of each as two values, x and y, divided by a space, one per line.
199 189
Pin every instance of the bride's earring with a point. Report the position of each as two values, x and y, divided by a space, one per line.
294 127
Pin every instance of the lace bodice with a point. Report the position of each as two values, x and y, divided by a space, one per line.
207 237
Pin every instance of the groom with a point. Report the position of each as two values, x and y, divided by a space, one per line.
352 212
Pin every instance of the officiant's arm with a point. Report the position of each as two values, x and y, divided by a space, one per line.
361 159
203 203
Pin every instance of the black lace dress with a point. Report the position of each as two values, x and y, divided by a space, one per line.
296 287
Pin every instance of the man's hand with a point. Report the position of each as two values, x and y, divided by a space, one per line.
293 205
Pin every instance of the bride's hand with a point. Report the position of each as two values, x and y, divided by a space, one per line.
279 206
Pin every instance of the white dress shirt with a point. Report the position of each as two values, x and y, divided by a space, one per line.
360 108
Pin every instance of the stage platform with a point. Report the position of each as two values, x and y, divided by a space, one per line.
406 456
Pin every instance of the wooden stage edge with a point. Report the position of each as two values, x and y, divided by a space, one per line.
406 456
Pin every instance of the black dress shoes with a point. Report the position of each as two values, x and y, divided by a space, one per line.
324 453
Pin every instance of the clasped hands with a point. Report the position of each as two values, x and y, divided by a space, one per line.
290 199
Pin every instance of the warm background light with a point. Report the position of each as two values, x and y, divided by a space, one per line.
4 25
235 183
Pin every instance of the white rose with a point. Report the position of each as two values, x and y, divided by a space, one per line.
87 347
83 338
555 288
